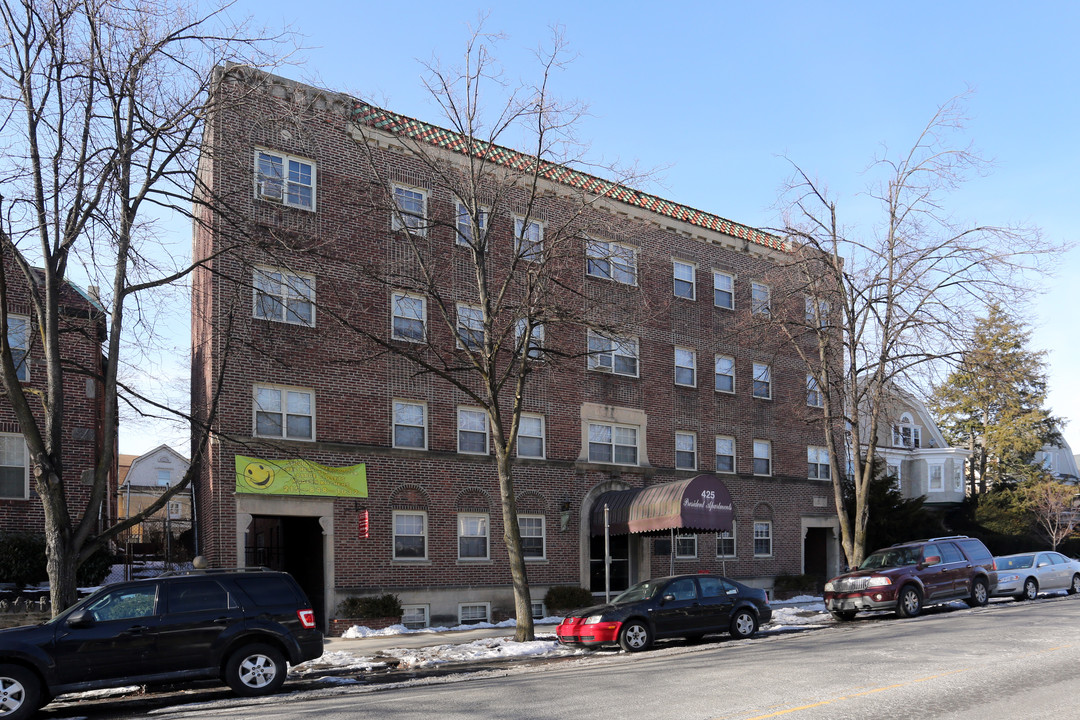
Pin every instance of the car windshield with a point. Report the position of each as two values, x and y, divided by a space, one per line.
1015 563
641 591
893 557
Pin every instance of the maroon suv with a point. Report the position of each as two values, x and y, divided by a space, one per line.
909 576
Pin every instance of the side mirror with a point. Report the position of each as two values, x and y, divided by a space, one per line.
81 619
669 598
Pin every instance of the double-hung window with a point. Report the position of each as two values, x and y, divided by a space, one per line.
617 444
611 261
472 536
817 312
762 381
535 350
410 209
284 413
723 290
14 469
530 442
285 179
725 374
472 431
615 354
529 239
725 542
685 546
762 539
19 341
410 425
470 327
725 454
409 313
907 434
937 478
760 299
685 451
685 367
466 228
684 279
958 475
284 296
762 457
814 398
817 459
410 535
532 536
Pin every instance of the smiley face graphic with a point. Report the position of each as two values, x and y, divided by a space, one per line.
259 476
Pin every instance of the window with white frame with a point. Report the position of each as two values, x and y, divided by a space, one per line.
906 433
410 209
724 374
470 327
958 475
893 470
611 261
685 451
818 460
409 313
472 613
410 535
529 239
725 542
762 381
538 611
175 509
725 454
14 468
19 341
415 617
410 425
723 290
617 355
814 397
284 296
760 299
762 457
817 311
472 536
472 426
285 179
685 367
164 477
533 536
762 539
536 339
613 444
686 546
465 230
685 280
282 412
937 478
530 441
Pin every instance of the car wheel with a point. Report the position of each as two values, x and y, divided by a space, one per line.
634 636
843 615
1030 591
1075 587
743 624
20 692
909 604
255 670
980 594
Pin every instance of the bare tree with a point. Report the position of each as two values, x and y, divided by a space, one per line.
1054 506
887 301
104 103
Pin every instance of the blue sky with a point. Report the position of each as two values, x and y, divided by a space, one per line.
717 94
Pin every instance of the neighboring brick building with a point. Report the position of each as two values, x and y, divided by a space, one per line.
424 518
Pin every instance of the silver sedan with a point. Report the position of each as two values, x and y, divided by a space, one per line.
1025 575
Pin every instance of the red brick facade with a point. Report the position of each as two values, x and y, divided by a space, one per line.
353 388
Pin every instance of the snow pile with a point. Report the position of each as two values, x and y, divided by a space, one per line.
359 631
477 650
801 611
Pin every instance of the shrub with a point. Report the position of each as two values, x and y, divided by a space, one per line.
795 583
370 606
567 597
95 568
22 558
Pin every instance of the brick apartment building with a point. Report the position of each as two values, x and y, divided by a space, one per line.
387 480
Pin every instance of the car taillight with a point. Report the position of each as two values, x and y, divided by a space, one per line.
307 618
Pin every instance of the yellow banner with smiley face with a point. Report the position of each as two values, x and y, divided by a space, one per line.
299 477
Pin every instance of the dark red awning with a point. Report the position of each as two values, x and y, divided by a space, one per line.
701 504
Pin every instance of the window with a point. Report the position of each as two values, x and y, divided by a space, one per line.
685 367
937 478
530 442
164 477
470 327
409 317
472 431
19 342
175 509
410 209
125 603
685 285
685 451
197 596
813 392
725 374
906 433
529 239
611 261
762 381
760 299
473 613
616 355
410 425
284 297
762 539
472 536
14 469
958 475
723 290
538 611
285 179
725 542
893 470
532 536
762 457
818 460
284 413
414 617
410 535
465 224
536 339
613 444
817 311
686 546
725 454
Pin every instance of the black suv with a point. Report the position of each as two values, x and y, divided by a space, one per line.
241 626
909 576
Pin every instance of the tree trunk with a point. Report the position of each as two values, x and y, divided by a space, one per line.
61 560
512 538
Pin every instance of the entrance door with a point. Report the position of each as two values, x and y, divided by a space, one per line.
620 563
293 545
816 554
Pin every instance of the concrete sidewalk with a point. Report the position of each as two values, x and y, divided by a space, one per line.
371 646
